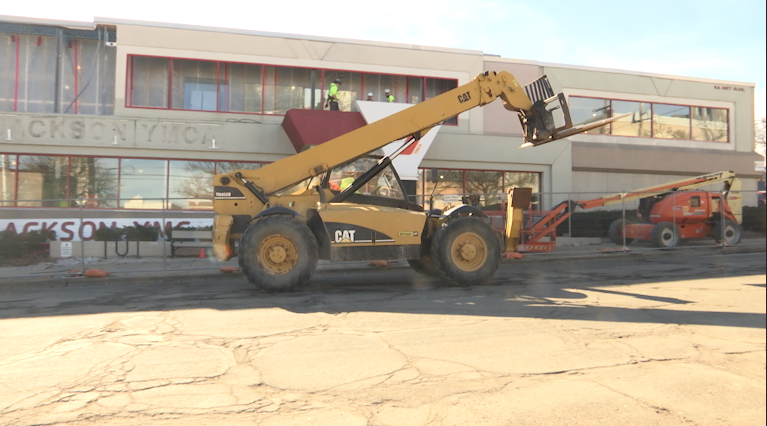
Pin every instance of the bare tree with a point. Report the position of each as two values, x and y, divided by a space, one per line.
760 137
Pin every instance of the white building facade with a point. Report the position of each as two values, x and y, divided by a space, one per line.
128 118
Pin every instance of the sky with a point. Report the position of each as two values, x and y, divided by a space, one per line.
704 38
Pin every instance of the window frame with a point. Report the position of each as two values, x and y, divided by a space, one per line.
691 126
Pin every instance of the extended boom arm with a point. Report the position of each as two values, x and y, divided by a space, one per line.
529 102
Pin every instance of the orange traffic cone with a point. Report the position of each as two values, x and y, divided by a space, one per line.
202 253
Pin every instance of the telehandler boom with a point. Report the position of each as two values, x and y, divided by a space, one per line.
334 202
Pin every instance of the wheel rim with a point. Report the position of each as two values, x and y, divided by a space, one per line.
730 233
277 254
668 237
468 252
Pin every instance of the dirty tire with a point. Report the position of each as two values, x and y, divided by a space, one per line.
467 251
425 266
732 232
665 234
278 254
615 233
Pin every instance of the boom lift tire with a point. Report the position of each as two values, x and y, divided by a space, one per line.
466 251
615 233
425 266
278 254
732 232
665 234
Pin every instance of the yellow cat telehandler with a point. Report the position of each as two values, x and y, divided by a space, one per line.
336 202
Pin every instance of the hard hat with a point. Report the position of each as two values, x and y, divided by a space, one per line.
387 91
338 80
370 93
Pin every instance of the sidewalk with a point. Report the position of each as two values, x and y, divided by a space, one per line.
173 269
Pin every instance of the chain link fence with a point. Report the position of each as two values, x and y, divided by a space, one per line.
39 231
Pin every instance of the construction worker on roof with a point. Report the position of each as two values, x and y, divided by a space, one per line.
389 97
333 95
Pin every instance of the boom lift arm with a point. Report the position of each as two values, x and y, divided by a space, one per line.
547 225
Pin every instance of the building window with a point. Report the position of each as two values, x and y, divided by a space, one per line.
485 189
94 181
240 88
149 81
670 121
637 124
196 85
190 185
43 181
710 124
589 110
105 182
56 70
143 183
7 179
652 120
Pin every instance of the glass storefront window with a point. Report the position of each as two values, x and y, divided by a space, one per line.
149 81
710 124
449 188
589 110
43 181
7 179
524 180
484 188
636 124
194 85
98 182
231 166
143 183
94 181
671 121
190 185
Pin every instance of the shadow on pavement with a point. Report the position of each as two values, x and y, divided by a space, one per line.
534 290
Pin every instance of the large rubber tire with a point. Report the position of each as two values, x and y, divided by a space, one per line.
278 254
466 251
665 234
616 233
425 266
732 232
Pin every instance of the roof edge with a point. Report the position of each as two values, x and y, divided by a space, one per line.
647 74
49 22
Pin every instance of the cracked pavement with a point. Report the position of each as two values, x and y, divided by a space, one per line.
608 341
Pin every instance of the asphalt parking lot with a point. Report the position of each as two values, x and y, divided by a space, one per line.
609 340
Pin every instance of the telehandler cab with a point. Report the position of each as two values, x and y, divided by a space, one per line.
334 202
